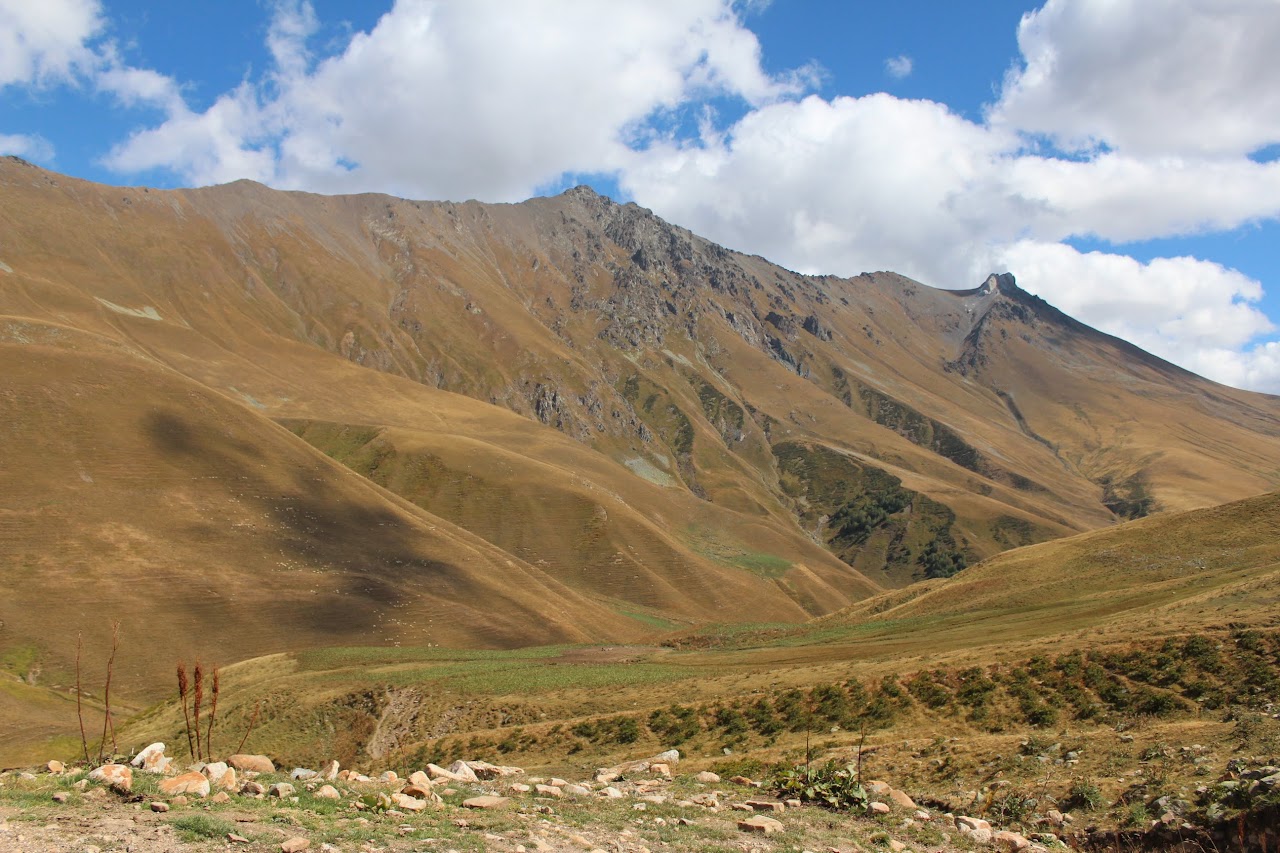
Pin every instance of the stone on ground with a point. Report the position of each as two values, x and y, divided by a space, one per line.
294 845
328 792
116 775
485 802
252 763
761 824
188 783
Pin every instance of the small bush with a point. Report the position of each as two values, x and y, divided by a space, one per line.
197 827
828 785
1083 796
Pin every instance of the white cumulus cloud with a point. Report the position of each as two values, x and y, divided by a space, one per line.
45 41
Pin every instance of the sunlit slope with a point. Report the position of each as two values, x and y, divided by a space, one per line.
130 493
1167 574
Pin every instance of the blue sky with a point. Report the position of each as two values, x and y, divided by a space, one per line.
1119 156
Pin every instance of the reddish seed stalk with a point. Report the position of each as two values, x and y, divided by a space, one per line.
106 694
182 695
257 706
197 699
84 740
213 713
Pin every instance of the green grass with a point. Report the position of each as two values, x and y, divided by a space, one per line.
197 827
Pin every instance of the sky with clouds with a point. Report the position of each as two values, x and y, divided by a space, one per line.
1120 157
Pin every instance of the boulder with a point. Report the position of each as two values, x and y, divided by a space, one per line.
435 771
1009 841
968 824
900 799
329 771
462 772
252 763
486 802
56 767
485 770
253 789
878 809
706 777
877 787
220 798
215 770
660 769
294 845
761 824
328 792
302 774
280 790
420 779
577 790
408 803
226 780
389 777
194 784
671 756
549 790
159 808
150 759
766 806
116 775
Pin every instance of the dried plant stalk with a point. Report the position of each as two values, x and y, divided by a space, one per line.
182 696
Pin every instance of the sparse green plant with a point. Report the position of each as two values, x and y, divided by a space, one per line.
1084 795
200 827
828 785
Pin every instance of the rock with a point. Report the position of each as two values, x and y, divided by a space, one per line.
577 790
549 790
611 793
660 769
329 771
281 790
422 780
408 803
55 767
706 777
519 788
226 781
980 836
878 809
766 806
215 770
236 839
294 845
435 771
252 763
61 796
160 807
116 775
389 777
422 792
462 772
964 823
1055 817
302 774
151 759
485 802
671 756
180 800
743 780
328 792
761 824
896 846
880 789
220 798
485 770
253 789
900 799
188 783
1009 841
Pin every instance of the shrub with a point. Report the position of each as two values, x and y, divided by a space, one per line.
1083 796
828 785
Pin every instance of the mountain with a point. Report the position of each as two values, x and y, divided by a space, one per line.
557 421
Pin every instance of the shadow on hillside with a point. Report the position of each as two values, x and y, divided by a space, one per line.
377 558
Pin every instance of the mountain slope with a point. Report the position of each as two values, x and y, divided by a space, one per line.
965 422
